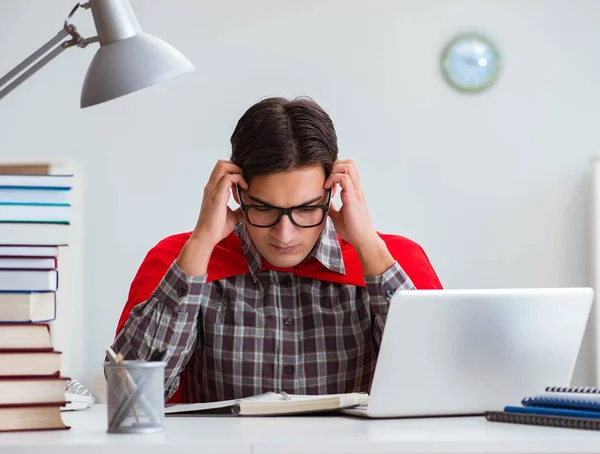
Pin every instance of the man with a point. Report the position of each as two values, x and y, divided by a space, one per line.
287 292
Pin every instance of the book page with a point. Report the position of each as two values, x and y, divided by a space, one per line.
304 397
269 397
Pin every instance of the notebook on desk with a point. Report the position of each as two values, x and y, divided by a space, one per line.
270 404
567 407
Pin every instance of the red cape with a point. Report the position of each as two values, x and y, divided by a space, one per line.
228 260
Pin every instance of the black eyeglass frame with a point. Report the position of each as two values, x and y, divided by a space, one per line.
284 211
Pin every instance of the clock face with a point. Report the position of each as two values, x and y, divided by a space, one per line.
470 63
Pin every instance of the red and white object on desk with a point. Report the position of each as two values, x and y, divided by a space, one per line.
28 280
28 268
32 389
34 226
28 257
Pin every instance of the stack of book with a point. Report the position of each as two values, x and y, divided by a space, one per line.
567 407
32 391
34 223
34 209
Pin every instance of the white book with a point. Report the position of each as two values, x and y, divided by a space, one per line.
570 396
34 212
28 251
272 404
28 280
29 195
24 307
36 180
34 234
27 263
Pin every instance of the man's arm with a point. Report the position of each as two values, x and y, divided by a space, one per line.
374 255
381 288
166 324
383 277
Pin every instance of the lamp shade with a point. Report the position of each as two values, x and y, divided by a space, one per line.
131 64
128 59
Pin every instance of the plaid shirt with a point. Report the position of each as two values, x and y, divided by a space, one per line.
265 330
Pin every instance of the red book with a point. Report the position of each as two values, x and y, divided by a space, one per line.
32 417
30 363
16 391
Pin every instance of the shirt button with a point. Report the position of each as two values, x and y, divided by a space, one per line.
288 369
288 322
181 292
286 280
389 293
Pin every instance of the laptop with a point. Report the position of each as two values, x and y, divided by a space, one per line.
462 352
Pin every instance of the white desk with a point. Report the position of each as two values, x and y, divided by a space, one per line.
301 435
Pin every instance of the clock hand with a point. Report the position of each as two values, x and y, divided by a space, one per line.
469 60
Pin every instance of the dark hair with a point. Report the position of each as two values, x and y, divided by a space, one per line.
277 134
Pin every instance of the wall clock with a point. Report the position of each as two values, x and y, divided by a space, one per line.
470 63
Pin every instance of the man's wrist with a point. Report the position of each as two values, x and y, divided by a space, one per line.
194 257
368 242
374 255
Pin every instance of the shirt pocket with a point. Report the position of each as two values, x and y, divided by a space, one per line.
236 351
227 332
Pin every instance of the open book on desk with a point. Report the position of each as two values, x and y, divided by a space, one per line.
271 404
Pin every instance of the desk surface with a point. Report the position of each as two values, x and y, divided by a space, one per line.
302 435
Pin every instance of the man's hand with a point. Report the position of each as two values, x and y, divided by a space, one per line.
352 221
215 221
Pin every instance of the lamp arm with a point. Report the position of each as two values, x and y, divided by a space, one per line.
46 53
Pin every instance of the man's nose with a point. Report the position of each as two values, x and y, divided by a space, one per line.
285 230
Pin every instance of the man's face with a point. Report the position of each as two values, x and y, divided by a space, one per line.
285 244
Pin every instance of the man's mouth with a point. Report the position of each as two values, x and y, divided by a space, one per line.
285 249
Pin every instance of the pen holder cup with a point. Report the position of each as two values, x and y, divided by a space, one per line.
135 396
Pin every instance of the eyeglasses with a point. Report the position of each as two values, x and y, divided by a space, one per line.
304 216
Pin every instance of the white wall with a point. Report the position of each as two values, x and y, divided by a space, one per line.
495 186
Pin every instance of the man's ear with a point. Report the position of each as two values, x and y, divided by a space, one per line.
234 191
333 190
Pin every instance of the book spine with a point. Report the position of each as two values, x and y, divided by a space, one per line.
543 420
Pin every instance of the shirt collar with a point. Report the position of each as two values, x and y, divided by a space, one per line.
327 250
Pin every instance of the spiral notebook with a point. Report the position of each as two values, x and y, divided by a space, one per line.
573 389
533 419
563 394
561 402
551 411
567 407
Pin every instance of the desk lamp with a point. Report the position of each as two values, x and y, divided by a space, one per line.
128 59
